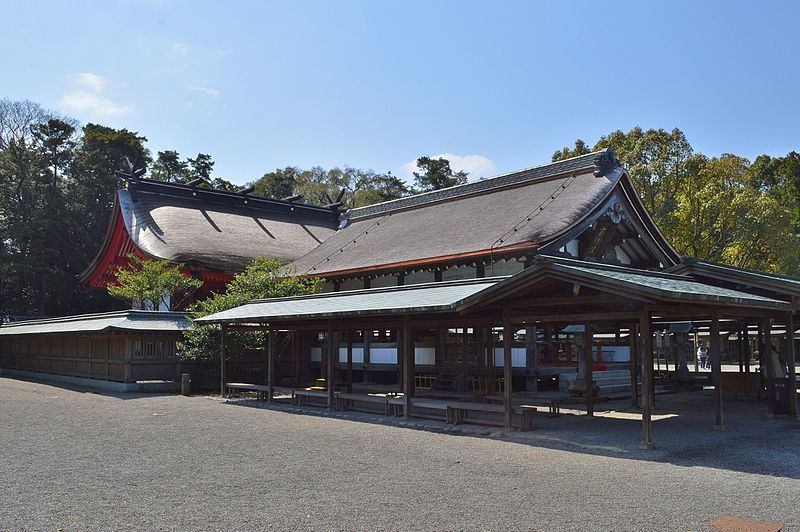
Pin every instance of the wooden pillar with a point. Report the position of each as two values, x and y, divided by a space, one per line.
765 349
491 379
633 341
408 367
748 354
400 359
222 362
646 348
367 347
331 368
349 361
270 364
588 346
790 363
508 334
716 369
740 345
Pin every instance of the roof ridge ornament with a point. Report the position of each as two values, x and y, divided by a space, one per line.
606 161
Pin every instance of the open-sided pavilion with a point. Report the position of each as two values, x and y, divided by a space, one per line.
551 291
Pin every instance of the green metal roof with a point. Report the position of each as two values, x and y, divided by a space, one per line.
673 286
429 297
691 265
126 320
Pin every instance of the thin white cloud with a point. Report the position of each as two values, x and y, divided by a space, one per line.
475 165
89 97
208 91
91 81
179 48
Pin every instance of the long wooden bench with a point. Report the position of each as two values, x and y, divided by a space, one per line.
261 389
457 413
300 397
346 401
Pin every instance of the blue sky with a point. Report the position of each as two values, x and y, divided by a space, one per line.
498 85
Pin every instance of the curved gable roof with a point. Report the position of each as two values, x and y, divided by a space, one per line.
514 211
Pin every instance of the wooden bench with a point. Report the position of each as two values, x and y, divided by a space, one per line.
345 401
457 413
261 389
396 406
300 397
555 408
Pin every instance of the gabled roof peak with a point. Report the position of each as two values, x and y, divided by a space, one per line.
600 162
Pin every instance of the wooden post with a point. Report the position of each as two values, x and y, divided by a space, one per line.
349 361
491 384
400 358
331 368
270 364
588 345
747 352
646 343
367 335
508 334
765 349
740 346
633 341
222 362
790 362
716 369
408 367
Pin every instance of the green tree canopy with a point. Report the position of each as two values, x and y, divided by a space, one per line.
436 174
264 278
152 284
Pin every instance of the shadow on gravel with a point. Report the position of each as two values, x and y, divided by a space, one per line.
752 442
123 396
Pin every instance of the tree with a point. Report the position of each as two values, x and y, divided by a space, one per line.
321 187
200 167
264 278
437 174
280 183
150 284
580 148
169 167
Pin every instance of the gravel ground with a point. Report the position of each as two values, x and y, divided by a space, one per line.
78 460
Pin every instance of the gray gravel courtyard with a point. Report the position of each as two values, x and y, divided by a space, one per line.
74 459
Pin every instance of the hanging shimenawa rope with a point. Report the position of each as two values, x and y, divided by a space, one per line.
350 243
530 216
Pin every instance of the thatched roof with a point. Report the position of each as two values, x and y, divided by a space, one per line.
524 209
211 230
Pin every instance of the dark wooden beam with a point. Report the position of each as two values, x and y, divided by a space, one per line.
790 362
588 346
270 365
508 332
331 368
646 339
222 361
349 361
633 342
408 367
716 370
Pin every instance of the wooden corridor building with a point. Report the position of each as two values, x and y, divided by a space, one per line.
568 243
